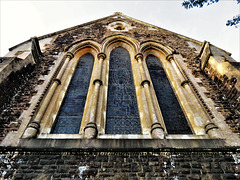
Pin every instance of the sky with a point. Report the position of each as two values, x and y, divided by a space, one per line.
21 20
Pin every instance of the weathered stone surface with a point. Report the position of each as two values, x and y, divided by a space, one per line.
227 104
26 165
17 91
20 86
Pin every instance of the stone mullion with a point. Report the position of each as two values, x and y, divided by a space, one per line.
157 130
91 131
210 128
34 127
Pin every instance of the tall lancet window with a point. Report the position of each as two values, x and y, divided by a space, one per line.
174 118
122 109
70 115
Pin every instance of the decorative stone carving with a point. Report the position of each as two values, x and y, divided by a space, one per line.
119 26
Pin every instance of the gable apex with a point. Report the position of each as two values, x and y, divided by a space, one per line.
117 16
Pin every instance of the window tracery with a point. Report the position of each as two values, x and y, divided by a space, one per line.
173 115
122 111
143 115
71 112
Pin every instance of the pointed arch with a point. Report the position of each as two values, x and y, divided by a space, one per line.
94 116
194 112
78 45
126 49
132 44
154 45
70 64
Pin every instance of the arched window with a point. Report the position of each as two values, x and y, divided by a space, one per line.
71 112
174 118
127 93
122 109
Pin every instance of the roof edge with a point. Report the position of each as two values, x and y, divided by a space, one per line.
116 13
61 31
179 35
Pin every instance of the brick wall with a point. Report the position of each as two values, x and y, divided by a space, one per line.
119 165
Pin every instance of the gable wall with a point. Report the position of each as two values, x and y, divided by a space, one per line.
25 164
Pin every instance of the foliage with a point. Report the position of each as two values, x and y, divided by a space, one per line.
235 21
188 4
197 3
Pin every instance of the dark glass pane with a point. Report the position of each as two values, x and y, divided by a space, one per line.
70 115
122 110
173 115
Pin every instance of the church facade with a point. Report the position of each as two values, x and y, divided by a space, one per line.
117 98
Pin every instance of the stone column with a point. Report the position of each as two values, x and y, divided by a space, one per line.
91 131
34 127
210 128
157 130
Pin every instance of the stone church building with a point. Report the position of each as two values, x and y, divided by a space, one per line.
118 98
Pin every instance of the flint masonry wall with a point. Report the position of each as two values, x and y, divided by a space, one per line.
119 165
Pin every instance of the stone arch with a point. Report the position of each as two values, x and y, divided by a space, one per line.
154 45
76 46
45 117
195 113
108 45
130 44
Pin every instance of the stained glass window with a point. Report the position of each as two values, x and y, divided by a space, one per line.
70 115
122 110
174 118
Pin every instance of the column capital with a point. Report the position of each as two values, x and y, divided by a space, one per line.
183 83
101 55
70 55
169 57
139 56
157 131
145 82
58 81
97 81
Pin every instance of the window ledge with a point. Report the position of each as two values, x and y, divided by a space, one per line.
120 144
120 136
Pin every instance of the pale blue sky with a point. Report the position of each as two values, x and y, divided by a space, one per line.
21 20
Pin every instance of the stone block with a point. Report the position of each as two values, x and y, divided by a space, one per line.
107 164
185 165
184 171
141 174
135 168
193 177
60 162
